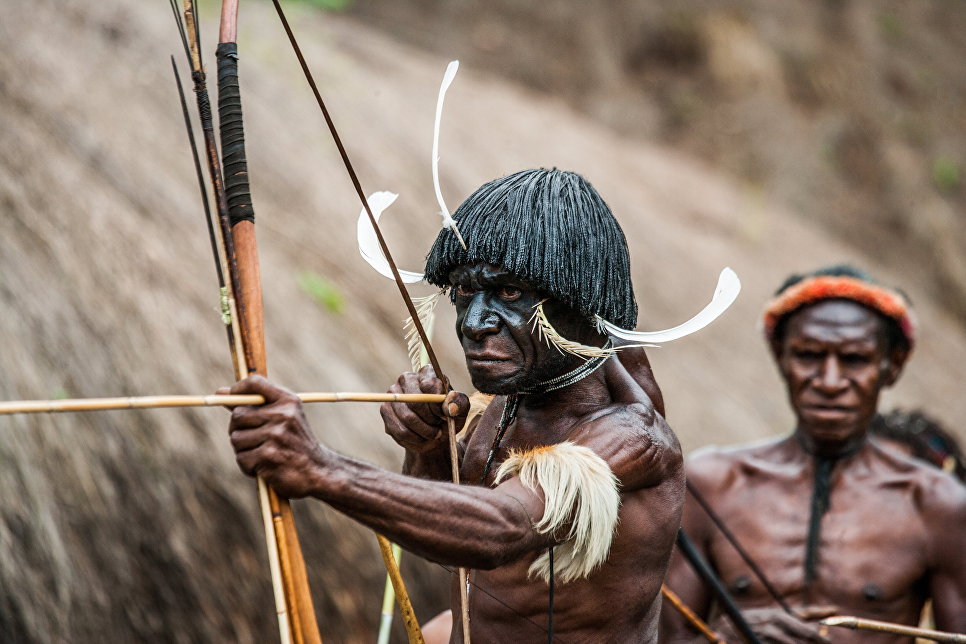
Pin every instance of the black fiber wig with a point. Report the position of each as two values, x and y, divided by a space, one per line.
550 228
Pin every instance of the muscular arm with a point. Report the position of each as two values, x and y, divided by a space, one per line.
681 578
945 515
458 525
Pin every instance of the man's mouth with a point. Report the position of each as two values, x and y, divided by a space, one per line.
486 357
828 410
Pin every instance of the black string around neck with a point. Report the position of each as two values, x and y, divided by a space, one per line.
820 503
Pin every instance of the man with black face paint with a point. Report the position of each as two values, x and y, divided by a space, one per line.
839 523
571 476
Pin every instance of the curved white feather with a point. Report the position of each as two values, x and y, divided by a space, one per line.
368 242
447 80
725 294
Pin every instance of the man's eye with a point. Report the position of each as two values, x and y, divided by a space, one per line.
464 290
856 359
802 354
509 293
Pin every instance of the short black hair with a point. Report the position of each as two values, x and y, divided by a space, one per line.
550 228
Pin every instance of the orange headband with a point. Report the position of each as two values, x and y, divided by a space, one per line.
889 303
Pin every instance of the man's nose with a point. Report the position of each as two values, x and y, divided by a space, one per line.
830 378
480 320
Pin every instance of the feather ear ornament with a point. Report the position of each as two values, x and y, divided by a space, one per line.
541 325
725 293
724 296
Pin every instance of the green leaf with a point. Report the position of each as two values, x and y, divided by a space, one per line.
322 291
945 174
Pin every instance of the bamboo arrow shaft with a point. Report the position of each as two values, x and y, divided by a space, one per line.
159 402
857 623
691 616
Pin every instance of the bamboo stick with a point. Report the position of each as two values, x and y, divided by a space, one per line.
462 574
691 616
274 563
388 597
158 402
857 623
413 632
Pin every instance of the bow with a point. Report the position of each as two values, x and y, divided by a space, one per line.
300 622
236 258
407 300
237 262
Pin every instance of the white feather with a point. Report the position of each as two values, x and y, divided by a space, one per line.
581 501
368 242
425 307
447 80
725 294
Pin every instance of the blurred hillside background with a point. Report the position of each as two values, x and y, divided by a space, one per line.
770 137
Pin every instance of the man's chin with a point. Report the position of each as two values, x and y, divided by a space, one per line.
489 383
494 387
833 433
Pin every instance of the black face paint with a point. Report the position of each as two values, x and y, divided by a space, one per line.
493 313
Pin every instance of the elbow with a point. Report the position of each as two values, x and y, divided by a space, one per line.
492 560
511 538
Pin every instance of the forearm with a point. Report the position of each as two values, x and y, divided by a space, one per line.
454 524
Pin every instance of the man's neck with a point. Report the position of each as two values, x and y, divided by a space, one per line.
590 390
576 369
830 449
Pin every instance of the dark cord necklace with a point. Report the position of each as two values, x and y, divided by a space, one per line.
820 503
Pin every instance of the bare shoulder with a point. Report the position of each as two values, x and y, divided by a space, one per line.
635 441
934 490
943 499
939 496
713 466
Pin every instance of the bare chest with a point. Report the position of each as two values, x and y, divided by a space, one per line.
871 547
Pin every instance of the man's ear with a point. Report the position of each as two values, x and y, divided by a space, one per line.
892 365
